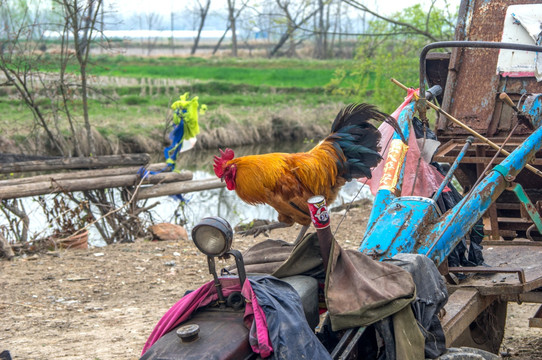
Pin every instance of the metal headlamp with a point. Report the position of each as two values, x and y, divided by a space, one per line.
213 236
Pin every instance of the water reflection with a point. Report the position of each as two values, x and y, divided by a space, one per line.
217 202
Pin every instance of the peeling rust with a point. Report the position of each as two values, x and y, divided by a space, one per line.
471 93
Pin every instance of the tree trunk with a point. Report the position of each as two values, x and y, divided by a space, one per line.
319 51
130 170
292 26
203 16
50 187
232 20
75 163
217 46
84 98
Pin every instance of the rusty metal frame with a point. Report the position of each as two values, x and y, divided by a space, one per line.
448 151
490 270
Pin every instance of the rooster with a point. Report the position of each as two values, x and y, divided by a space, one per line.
286 181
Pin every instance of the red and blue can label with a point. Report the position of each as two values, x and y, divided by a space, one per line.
318 210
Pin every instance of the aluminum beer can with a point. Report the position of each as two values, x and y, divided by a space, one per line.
318 210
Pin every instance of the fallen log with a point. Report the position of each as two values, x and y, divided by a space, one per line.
83 174
94 162
49 187
179 188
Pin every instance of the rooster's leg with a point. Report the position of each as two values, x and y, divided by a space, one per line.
302 232
257 230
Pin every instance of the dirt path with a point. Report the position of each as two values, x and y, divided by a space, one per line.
102 303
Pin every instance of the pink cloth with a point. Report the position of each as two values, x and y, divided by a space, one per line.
205 295
255 320
428 179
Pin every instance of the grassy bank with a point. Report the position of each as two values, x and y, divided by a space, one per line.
131 96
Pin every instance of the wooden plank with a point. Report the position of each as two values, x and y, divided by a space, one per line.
462 308
530 297
514 220
49 187
495 235
536 320
75 163
81 174
179 188
445 148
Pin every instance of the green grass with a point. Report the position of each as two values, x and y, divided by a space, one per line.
276 73
240 90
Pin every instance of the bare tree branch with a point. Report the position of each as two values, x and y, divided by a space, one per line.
362 7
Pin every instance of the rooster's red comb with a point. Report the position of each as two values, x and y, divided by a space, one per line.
225 156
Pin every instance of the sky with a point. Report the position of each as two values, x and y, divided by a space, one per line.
165 7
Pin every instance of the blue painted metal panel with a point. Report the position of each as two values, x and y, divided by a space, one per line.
398 227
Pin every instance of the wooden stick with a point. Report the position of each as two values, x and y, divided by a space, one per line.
179 188
84 174
49 187
471 131
75 163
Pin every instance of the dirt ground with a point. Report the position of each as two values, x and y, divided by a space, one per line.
102 303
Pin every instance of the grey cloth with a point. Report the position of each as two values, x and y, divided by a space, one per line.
431 296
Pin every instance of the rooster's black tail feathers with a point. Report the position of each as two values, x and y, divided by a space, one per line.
358 140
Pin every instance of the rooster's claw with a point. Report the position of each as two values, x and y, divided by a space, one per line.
254 231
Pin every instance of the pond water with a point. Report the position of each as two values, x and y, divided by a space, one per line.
216 202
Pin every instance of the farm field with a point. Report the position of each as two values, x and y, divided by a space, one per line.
131 96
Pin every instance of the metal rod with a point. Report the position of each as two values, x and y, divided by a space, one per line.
342 342
528 205
352 343
470 44
476 184
471 131
302 233
218 285
240 264
454 166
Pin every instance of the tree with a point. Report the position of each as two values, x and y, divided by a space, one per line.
202 12
27 68
150 21
231 20
20 62
295 16
391 49
80 20
322 26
